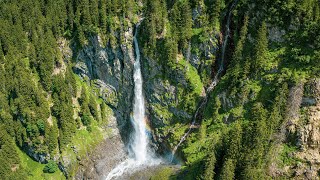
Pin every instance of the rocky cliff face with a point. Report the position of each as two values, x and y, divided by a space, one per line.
104 157
109 70
308 133
170 102
302 131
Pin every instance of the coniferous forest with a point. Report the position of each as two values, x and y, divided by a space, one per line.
231 87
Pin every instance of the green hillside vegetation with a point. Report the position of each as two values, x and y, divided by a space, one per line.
256 81
36 106
44 112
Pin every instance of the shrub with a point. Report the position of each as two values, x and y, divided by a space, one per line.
51 167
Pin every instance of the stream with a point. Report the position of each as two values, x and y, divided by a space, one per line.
214 82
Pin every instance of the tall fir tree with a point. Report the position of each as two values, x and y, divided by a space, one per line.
261 48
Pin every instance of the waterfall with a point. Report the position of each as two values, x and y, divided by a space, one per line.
140 143
214 82
140 154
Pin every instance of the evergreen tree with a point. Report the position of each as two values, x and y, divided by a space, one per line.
94 12
261 48
171 48
237 56
215 12
51 167
259 134
85 13
8 156
233 142
52 137
103 16
67 125
70 15
181 18
278 108
186 24
228 170
115 7
211 161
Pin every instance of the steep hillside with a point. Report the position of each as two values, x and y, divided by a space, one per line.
65 85
232 87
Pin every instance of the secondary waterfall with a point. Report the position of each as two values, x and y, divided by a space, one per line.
214 82
140 155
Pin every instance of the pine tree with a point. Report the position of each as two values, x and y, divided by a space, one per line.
209 172
115 7
103 16
238 61
8 147
234 139
85 112
185 24
83 99
52 137
67 125
259 133
174 20
171 48
94 12
152 35
70 15
261 48
237 56
278 108
85 13
215 12
2 86
202 132
109 7
228 170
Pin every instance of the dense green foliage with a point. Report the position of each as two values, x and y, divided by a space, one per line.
37 83
235 137
51 167
43 107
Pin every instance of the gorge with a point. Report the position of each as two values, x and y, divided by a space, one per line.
196 89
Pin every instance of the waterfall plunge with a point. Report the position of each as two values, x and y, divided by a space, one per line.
139 145
140 155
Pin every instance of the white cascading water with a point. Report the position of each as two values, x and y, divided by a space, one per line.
140 140
140 155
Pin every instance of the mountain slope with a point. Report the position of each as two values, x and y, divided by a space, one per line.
66 86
